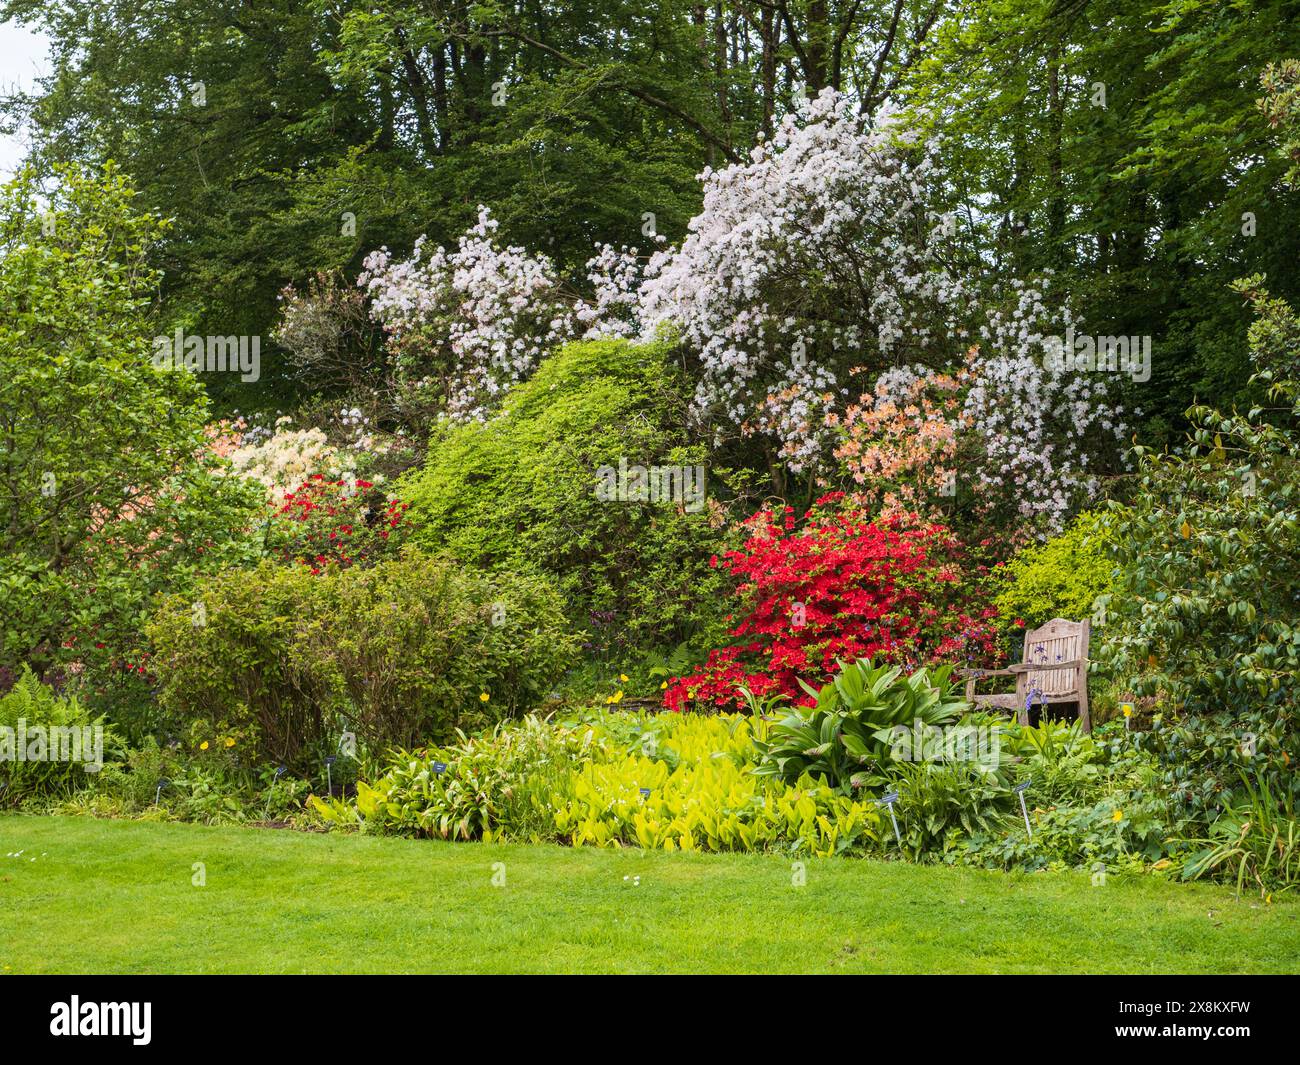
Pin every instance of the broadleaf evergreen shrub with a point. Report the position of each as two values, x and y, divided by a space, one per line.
400 653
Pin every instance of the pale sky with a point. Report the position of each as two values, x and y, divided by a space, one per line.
23 58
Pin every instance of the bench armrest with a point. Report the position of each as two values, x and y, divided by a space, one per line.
1034 667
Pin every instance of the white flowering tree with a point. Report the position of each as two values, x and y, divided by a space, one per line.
465 325
814 257
1043 431
814 292
816 284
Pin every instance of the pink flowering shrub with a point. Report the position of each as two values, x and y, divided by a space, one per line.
899 445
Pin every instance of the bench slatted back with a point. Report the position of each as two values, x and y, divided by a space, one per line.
1057 641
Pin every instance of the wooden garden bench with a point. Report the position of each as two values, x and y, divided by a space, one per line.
1053 669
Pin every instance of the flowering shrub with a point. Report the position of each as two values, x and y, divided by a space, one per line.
470 323
900 445
819 260
1043 431
286 458
1011 435
840 587
615 276
814 256
324 524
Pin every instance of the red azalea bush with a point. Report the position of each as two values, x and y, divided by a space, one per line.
328 524
842 586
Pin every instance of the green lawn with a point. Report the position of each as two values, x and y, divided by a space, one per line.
116 897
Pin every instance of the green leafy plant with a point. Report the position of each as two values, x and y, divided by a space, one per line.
1064 576
941 802
519 492
48 743
401 653
847 736
1257 841
112 497
492 786
1204 615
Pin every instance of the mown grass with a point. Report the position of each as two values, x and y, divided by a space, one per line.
117 897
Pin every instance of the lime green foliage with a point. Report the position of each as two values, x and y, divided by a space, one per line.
847 737
686 784
292 902
30 712
110 496
521 492
1063 577
401 653
581 782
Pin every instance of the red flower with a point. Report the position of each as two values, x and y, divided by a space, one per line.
841 587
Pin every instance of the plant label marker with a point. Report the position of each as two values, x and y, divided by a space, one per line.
439 768
329 777
158 794
1019 789
887 800
280 771
645 793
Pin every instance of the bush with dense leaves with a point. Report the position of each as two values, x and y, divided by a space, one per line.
112 497
401 653
520 492
1063 577
1206 611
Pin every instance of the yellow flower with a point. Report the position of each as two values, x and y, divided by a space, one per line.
623 677
203 746
230 741
663 686
1128 709
1118 815
484 697
617 697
